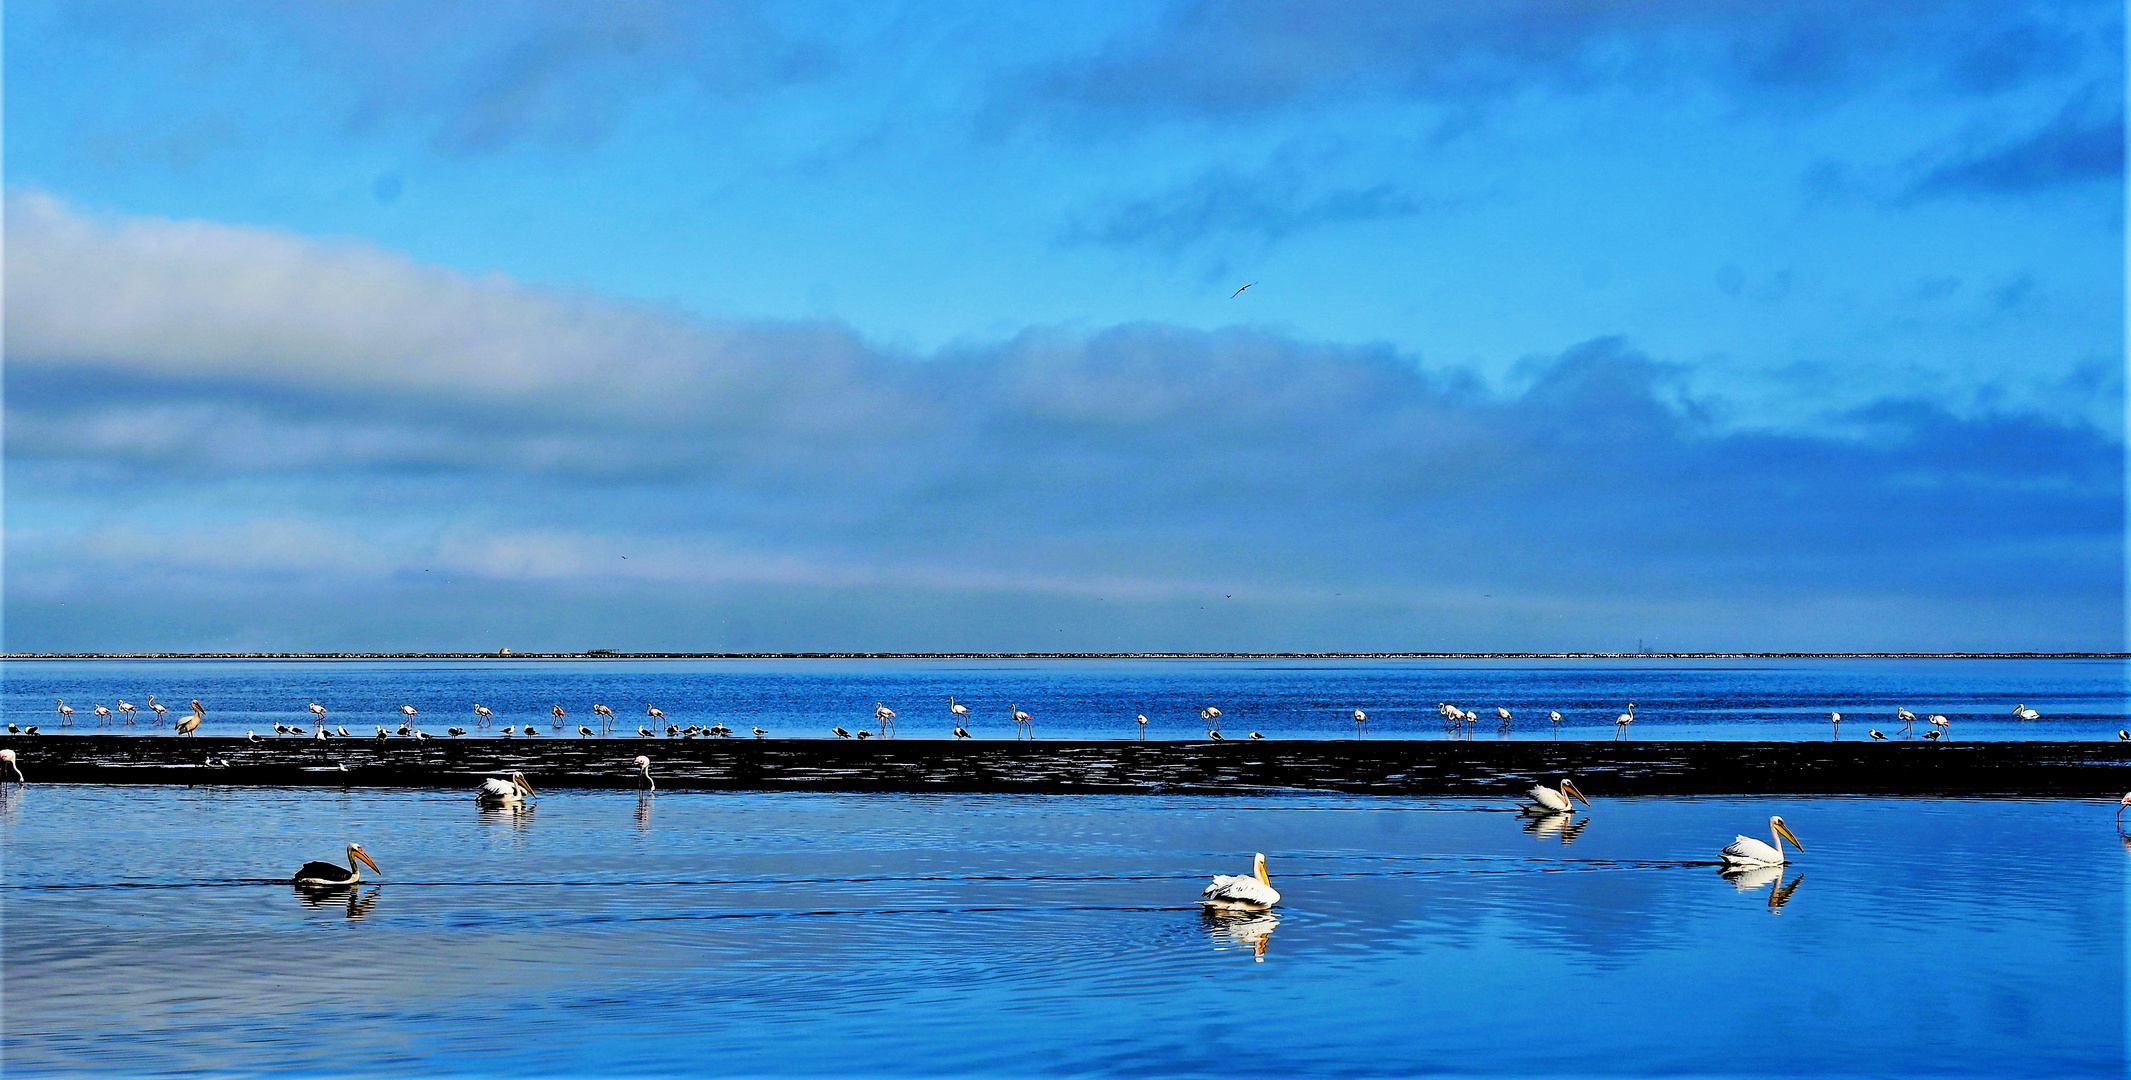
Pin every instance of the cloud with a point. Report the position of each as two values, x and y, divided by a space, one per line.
2083 143
479 77
196 410
1269 206
1203 58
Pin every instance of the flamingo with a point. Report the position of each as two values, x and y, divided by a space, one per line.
1212 716
1143 727
483 714
558 714
1554 718
643 774
126 707
157 708
103 715
1940 725
317 710
66 713
958 710
2121 804
1835 718
1621 722
1503 715
886 716
7 757
1021 720
1906 717
654 713
606 716
1361 723
1242 892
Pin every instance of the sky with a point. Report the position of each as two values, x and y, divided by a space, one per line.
1572 325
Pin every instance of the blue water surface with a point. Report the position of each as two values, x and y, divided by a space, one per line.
1100 699
149 930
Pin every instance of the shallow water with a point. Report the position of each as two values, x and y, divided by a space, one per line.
1286 698
793 934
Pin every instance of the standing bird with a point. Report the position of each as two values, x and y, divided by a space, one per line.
1556 800
886 716
2122 804
1835 718
483 714
509 729
643 732
959 710
1143 727
585 731
1554 718
558 714
606 718
7 758
760 733
654 713
1940 725
1241 892
127 707
103 715
452 731
2123 734
1361 723
643 774
840 733
1256 737
1212 716
498 792
1906 717
158 709
1747 851
317 710
326 875
1621 722
961 732
192 723
1503 715
1022 721
1932 735
66 713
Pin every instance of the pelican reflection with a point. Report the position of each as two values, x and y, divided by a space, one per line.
1749 878
358 902
515 814
1563 824
1231 929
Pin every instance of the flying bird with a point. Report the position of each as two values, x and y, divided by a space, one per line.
1239 292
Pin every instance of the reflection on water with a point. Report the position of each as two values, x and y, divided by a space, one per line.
1231 929
823 935
1562 823
357 901
519 815
1748 879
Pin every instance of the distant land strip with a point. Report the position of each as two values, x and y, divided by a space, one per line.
1361 767
614 654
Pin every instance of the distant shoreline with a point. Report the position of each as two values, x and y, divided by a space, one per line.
610 654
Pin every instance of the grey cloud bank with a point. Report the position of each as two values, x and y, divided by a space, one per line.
227 437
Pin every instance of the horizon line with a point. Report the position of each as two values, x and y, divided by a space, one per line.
615 654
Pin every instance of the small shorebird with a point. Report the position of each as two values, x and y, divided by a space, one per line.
760 733
1876 736
1256 736
961 732
840 733
585 731
1241 892
327 875
453 731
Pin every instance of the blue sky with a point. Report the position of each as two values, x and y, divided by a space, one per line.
745 326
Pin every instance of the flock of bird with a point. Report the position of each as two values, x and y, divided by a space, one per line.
1248 892
1457 722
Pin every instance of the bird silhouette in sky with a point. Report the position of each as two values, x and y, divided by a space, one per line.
1239 292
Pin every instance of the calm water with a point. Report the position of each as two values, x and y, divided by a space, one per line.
1708 699
783 934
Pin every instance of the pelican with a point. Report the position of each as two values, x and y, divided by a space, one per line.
1556 800
643 774
1021 720
484 713
192 723
66 712
327 875
511 792
2023 712
1747 851
885 715
1143 727
1361 723
1241 892
7 758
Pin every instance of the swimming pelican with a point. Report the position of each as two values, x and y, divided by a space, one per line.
66 713
643 777
886 716
1361 723
192 723
1021 720
2022 712
511 792
328 875
7 757
484 713
1747 851
1242 892
1142 718
1556 800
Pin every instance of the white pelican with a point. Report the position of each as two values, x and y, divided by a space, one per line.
1747 851
511 792
7 757
1361 723
643 774
66 712
330 876
2025 713
1556 800
1242 892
